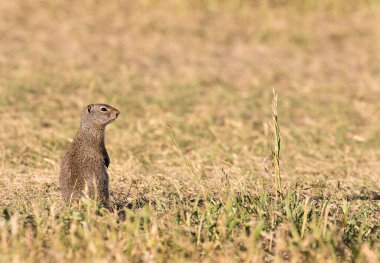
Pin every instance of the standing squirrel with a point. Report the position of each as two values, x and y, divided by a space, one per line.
85 162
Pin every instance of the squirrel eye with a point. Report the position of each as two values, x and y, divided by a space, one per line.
103 109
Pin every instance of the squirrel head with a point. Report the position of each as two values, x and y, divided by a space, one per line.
99 115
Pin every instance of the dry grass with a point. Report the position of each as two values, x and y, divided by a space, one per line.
193 81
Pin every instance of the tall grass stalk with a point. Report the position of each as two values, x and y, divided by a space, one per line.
304 218
186 161
277 146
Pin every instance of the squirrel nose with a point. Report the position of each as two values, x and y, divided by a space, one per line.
117 114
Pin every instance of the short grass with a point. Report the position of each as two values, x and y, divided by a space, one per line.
191 172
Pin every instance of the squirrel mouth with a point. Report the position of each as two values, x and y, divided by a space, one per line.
112 120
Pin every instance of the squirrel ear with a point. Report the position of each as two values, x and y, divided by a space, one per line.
89 107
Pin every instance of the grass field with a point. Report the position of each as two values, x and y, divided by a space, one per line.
191 172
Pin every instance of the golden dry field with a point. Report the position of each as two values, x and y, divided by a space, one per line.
194 151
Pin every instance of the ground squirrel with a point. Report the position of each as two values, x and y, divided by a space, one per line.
85 162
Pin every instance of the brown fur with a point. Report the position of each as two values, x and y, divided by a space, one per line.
85 162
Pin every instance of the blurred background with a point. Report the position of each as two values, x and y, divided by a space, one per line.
189 171
206 68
